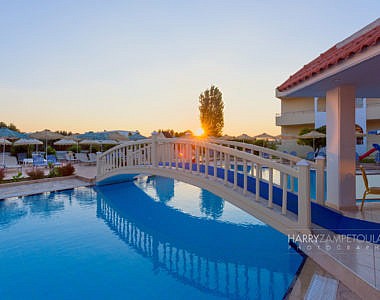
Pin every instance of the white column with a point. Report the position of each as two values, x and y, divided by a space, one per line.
154 149
340 108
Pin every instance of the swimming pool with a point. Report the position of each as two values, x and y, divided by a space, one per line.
156 238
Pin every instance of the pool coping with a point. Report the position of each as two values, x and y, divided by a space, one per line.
86 182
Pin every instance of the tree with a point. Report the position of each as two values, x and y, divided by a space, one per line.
10 126
318 143
211 111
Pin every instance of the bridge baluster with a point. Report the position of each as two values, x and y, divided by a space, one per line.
207 161
226 167
245 176
258 171
270 187
235 172
284 193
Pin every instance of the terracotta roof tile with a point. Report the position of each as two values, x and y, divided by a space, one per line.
333 56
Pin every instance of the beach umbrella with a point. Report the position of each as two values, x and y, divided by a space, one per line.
25 142
313 135
65 142
107 142
264 136
118 136
90 142
245 137
227 137
6 133
46 135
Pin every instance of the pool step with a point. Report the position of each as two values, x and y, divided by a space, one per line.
322 288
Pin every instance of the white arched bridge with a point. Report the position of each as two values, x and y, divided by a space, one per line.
271 185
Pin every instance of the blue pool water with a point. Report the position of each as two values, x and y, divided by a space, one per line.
152 239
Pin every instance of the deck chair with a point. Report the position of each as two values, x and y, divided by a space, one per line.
310 155
38 161
83 158
368 190
70 157
21 156
10 162
92 157
53 159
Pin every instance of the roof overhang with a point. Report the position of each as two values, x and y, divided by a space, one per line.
361 71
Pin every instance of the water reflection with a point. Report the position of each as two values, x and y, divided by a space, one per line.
219 258
10 212
211 206
44 205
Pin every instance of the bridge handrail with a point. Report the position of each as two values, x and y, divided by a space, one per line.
235 152
216 159
279 154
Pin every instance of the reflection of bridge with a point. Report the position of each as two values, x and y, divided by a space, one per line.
233 265
232 171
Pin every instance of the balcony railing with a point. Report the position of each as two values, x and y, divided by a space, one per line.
295 118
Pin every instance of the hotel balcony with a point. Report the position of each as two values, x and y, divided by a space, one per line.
295 118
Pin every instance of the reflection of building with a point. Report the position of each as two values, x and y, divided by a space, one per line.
221 259
299 113
211 205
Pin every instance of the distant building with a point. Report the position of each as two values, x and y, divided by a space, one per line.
299 113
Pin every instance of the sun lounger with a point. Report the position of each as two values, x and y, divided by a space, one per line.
310 156
61 155
92 157
39 161
10 162
83 158
53 160
21 157
70 157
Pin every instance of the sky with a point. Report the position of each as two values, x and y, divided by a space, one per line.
126 65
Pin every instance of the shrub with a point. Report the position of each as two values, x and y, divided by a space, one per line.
2 174
36 173
74 148
50 150
17 177
66 170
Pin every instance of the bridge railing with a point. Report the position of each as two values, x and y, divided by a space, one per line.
318 165
214 161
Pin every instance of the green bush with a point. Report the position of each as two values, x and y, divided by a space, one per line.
368 160
50 150
17 177
74 148
36 173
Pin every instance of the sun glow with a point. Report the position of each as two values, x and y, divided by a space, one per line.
199 132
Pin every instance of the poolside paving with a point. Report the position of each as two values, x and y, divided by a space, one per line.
40 187
84 177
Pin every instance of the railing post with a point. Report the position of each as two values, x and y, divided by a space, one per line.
98 164
304 205
154 149
320 180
